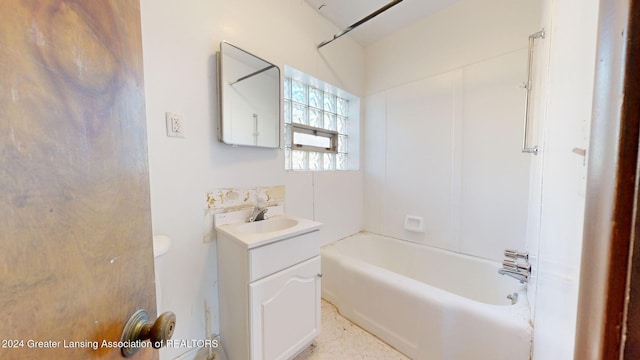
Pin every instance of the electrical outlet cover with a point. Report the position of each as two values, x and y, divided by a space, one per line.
175 125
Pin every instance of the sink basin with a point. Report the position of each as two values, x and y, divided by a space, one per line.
268 225
278 227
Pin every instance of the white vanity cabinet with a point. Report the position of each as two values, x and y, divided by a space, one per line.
285 311
269 293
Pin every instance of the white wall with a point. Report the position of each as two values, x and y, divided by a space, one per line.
465 33
180 39
443 128
563 116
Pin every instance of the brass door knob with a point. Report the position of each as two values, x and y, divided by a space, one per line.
139 329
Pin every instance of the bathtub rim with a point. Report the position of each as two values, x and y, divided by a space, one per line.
329 249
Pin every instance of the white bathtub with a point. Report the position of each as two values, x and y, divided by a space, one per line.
428 303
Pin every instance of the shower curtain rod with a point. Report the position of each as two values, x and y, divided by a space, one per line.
253 74
361 21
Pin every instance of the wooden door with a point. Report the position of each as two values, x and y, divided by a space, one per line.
75 228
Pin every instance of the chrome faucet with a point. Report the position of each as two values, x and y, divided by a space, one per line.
514 254
523 277
258 214
513 268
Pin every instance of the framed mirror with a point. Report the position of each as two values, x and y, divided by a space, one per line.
249 98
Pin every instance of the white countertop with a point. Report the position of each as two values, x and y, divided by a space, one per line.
233 226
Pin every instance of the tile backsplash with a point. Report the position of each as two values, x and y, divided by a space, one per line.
233 199
230 199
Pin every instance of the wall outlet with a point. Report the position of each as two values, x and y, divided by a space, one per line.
175 125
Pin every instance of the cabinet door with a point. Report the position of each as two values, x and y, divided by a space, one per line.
285 311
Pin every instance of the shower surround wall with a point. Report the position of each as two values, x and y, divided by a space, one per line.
179 40
443 129
565 62
557 202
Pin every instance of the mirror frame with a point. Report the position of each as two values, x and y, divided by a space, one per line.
223 93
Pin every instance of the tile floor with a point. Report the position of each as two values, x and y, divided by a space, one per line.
340 339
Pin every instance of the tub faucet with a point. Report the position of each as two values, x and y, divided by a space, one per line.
520 276
258 214
515 254
515 269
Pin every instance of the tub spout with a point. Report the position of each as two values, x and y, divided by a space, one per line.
523 277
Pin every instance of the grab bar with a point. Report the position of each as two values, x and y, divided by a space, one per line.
525 147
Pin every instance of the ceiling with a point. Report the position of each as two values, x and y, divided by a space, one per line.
344 13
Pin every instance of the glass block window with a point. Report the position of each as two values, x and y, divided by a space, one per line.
316 128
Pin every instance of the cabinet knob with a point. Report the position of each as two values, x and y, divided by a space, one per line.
139 328
319 275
